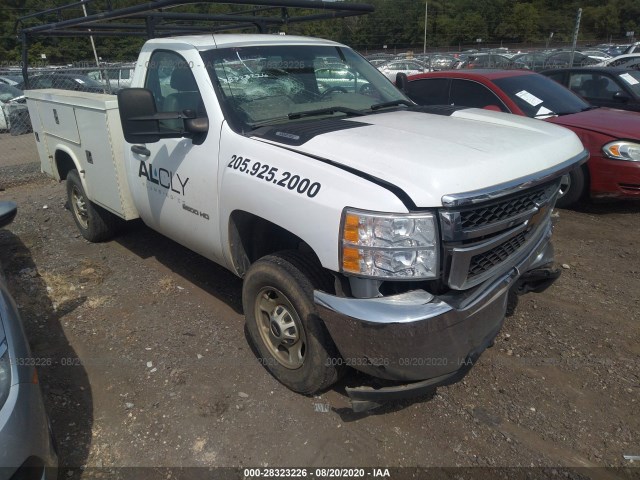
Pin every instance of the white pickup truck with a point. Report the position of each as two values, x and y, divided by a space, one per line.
370 233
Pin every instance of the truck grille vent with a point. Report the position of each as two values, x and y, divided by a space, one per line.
494 257
489 238
505 209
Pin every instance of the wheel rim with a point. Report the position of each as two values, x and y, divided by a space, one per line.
280 328
80 208
565 185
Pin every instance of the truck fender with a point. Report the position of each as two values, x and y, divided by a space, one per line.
65 161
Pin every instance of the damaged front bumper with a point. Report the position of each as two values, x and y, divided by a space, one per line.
421 341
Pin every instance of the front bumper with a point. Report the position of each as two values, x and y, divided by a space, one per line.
418 337
614 178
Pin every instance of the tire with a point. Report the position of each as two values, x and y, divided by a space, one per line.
291 340
94 222
574 190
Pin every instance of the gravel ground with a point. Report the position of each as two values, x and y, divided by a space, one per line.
150 364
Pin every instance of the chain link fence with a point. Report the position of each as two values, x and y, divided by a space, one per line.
16 146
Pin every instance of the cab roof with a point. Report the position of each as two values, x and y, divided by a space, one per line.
222 40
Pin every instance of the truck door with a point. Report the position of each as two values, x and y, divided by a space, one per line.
174 181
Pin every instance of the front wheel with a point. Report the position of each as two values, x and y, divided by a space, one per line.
94 222
573 188
283 324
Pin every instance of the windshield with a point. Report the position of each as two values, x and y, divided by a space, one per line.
8 92
538 96
269 84
632 80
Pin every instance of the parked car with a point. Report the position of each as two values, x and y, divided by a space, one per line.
439 61
612 137
64 81
563 59
9 79
604 87
612 50
486 60
599 55
27 446
339 78
408 67
14 115
118 77
531 61
635 48
630 60
376 62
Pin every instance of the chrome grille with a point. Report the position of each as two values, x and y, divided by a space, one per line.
488 238
489 214
486 261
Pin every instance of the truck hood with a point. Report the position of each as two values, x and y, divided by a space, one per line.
608 121
429 156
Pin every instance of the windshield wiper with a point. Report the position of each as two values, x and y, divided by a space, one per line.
393 103
562 114
325 111
269 121
590 107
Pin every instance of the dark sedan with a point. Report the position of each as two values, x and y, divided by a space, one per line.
563 59
64 81
604 87
612 137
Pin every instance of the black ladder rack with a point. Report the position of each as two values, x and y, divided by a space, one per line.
151 19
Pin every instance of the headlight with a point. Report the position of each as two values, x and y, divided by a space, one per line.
389 246
622 150
5 373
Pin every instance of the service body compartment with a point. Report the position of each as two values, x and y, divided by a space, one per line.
86 127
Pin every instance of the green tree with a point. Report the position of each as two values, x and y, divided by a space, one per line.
602 20
521 23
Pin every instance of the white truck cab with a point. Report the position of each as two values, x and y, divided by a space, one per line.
370 232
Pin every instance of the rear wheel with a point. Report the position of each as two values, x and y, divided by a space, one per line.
284 326
573 188
94 222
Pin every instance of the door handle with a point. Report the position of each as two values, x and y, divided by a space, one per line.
140 150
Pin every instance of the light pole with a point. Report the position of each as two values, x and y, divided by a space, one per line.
426 10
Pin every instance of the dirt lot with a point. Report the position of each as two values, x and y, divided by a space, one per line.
150 365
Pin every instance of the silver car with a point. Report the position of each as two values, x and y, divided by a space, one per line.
409 67
13 109
26 444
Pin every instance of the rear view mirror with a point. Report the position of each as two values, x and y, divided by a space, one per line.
137 111
402 82
8 212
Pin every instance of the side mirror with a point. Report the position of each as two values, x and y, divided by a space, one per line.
196 126
8 212
621 97
402 82
137 111
141 121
